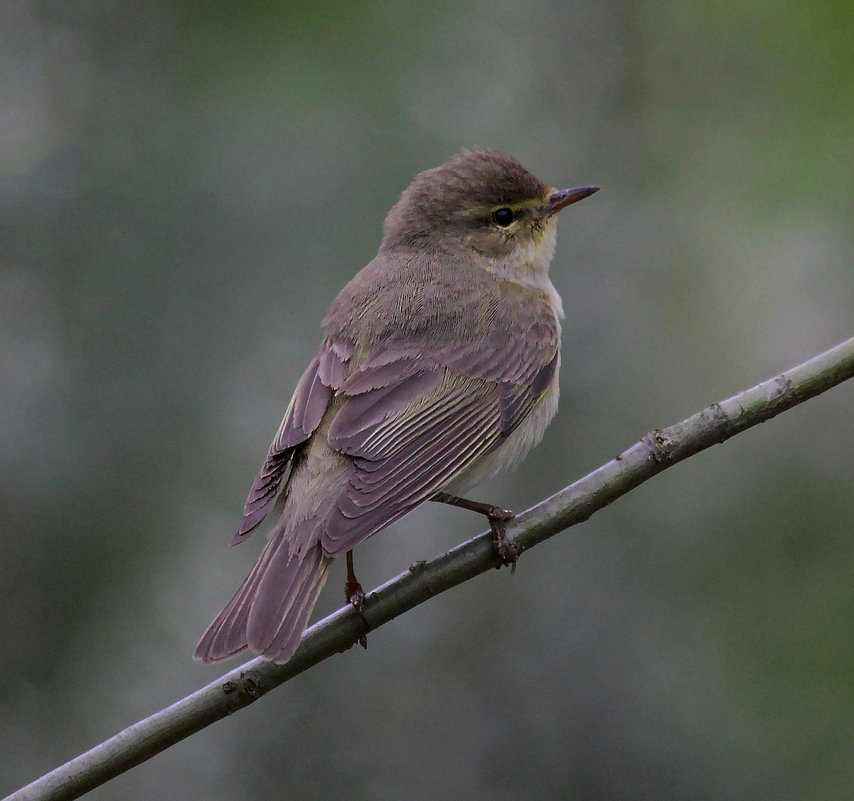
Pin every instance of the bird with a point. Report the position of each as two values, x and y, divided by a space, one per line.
438 368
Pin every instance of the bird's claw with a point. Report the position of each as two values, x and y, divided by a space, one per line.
506 549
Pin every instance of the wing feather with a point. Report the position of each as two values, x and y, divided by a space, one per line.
368 411
310 400
420 446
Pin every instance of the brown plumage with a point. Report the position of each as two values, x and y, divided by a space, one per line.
438 368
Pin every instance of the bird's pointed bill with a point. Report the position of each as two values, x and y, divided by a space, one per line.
566 197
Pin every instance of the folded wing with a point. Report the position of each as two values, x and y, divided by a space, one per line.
412 424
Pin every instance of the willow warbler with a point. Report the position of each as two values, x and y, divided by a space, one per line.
438 368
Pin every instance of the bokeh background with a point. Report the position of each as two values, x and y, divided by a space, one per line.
183 189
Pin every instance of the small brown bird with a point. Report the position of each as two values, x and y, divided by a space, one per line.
439 368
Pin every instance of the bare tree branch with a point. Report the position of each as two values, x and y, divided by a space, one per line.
238 688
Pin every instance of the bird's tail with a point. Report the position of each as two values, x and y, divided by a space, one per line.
269 611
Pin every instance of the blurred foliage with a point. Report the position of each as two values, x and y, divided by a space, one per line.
183 189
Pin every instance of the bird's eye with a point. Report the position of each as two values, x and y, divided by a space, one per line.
503 217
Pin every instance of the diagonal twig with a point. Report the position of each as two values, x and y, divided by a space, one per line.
238 688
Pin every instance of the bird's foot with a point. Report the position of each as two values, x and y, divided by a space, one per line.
355 595
505 548
497 517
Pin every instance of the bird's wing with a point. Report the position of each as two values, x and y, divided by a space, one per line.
305 411
413 421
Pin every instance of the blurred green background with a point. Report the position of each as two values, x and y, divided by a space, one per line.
183 189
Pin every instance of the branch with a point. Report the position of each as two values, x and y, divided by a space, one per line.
238 688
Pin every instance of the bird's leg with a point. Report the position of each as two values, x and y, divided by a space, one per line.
354 593
496 516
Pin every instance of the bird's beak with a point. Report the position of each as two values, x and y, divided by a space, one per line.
566 197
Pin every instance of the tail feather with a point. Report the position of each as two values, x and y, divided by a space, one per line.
284 600
269 611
